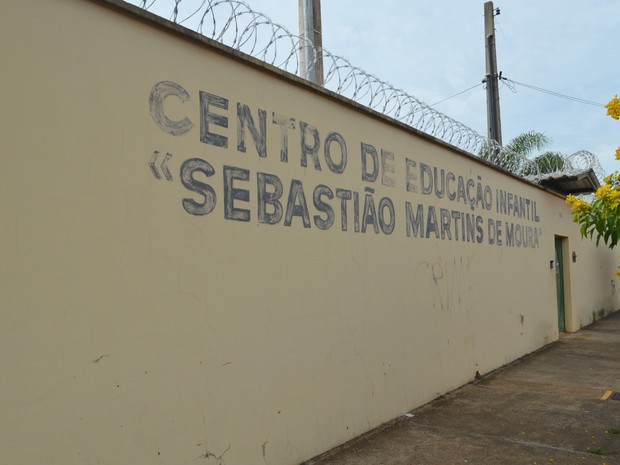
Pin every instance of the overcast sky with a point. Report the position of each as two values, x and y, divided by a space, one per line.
435 49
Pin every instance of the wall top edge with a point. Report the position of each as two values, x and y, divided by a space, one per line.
168 26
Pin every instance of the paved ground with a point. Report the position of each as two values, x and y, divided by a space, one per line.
545 408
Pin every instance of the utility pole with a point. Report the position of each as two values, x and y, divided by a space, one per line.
311 60
494 124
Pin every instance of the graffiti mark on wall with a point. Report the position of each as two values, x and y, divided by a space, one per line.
440 204
447 281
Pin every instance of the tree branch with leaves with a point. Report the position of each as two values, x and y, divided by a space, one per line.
600 218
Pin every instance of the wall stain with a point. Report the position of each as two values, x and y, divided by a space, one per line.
450 280
219 460
264 448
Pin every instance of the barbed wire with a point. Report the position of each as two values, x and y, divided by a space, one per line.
235 24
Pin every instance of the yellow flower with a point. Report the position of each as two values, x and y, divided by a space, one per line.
613 107
603 192
618 153
577 204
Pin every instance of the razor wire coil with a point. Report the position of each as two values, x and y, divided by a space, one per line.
234 23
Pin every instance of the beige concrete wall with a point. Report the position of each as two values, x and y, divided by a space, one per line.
138 331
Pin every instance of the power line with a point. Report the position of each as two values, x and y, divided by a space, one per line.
551 92
456 95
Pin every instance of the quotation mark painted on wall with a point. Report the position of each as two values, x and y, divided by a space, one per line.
162 166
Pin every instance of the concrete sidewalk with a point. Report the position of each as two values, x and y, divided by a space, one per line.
544 408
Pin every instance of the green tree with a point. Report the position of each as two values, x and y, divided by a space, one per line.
600 218
528 142
548 162
519 156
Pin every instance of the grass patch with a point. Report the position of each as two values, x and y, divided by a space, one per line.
599 451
